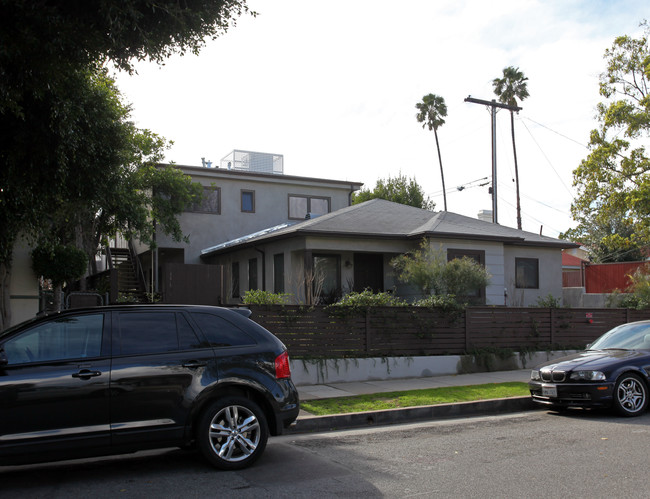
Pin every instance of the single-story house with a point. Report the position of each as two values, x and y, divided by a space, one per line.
350 250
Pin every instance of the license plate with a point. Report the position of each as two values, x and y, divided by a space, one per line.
549 391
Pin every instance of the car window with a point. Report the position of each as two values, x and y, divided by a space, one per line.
626 336
220 332
73 337
154 332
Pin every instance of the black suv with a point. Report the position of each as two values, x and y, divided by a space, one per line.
118 379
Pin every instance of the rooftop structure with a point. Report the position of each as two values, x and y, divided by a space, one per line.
253 162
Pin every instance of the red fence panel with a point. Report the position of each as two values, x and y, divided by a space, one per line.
606 277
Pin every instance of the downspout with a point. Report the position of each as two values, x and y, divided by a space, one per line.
352 191
263 268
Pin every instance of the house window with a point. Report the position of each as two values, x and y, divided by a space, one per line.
477 295
248 201
527 273
210 203
278 273
299 206
327 278
234 270
252 273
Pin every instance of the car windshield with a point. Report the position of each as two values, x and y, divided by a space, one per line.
625 337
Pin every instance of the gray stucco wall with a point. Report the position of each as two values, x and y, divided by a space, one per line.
271 194
550 274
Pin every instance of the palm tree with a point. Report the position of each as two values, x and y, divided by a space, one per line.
508 89
431 112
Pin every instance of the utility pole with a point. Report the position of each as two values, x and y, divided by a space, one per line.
493 105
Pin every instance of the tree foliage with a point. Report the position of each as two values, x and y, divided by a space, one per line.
428 269
612 206
53 149
59 263
400 189
512 87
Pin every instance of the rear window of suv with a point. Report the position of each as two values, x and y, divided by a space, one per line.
221 333
155 332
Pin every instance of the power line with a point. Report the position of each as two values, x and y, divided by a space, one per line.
548 160
555 132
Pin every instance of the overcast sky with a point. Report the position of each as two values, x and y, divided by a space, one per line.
333 85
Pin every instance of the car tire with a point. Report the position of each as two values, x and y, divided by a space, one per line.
630 395
232 433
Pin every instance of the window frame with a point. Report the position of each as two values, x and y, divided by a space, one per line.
524 285
252 194
194 208
278 273
309 199
253 274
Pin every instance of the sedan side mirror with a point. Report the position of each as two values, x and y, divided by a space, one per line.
3 357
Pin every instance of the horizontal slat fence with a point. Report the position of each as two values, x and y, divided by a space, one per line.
411 331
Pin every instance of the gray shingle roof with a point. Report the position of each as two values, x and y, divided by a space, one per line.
385 219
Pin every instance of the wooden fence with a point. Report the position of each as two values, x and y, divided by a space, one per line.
411 331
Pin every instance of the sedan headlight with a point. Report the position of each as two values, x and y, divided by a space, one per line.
587 376
534 375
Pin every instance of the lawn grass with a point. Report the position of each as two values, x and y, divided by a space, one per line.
413 398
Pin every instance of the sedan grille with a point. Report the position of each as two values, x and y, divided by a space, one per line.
554 376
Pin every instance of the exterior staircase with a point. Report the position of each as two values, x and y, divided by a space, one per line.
129 285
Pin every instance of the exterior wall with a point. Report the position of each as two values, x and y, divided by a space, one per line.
23 288
499 260
578 298
550 274
271 206
494 262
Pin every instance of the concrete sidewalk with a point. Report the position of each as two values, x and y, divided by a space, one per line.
310 423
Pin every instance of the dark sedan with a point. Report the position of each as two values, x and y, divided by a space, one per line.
612 372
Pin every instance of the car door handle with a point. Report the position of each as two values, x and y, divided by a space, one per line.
192 364
86 374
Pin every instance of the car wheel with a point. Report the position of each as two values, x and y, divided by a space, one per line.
630 395
232 433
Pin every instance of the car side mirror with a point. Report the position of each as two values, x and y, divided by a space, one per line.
3 357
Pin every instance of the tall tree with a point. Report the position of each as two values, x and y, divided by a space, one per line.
613 182
508 89
115 186
431 113
46 48
400 189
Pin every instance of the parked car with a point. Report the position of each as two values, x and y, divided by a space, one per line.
117 379
611 372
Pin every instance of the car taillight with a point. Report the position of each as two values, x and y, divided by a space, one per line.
282 369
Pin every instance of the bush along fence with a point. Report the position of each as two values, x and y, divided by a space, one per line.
337 332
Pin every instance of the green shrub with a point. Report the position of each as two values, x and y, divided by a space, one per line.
59 263
637 295
446 303
369 299
259 297
429 270
548 301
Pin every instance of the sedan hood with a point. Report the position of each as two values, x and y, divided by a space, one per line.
593 360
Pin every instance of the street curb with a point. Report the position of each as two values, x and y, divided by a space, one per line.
411 414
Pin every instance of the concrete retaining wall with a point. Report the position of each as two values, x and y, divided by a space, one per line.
325 371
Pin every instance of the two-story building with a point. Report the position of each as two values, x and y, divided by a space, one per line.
248 193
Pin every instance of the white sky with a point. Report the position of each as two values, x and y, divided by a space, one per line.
333 85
